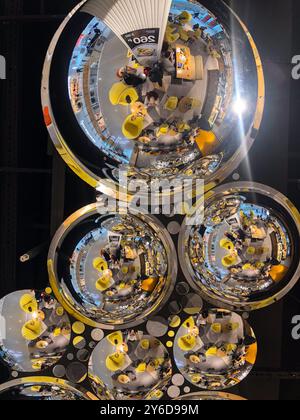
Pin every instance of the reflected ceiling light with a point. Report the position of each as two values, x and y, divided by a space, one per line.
112 271
240 106
168 119
244 255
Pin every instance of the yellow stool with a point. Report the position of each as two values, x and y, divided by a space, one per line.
115 361
184 35
205 140
133 127
116 338
226 244
171 36
182 127
278 272
28 303
229 261
163 130
185 17
187 342
211 352
172 103
122 94
32 330
216 328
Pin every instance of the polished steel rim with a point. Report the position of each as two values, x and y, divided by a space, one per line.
73 221
187 268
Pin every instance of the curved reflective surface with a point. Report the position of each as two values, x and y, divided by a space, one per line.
35 331
215 350
210 396
193 111
112 270
130 365
245 252
42 388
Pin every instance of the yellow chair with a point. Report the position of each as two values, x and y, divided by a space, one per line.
104 283
197 34
184 35
226 244
205 140
100 264
211 352
133 127
172 103
32 330
171 38
229 261
187 342
183 126
196 378
145 344
116 338
149 284
189 323
163 130
141 367
28 303
278 272
187 104
251 354
185 17
115 362
122 94
171 35
230 348
216 328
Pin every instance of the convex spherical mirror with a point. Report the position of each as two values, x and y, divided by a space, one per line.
49 389
130 365
112 270
215 350
35 330
182 97
243 252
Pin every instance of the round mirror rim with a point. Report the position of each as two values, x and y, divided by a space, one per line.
111 188
188 270
45 380
210 394
151 221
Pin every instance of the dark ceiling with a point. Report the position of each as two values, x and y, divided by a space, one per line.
37 191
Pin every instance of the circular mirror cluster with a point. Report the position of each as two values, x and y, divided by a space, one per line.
133 111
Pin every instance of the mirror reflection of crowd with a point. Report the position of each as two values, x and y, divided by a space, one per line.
139 366
47 329
217 351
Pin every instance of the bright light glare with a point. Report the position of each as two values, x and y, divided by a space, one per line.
239 106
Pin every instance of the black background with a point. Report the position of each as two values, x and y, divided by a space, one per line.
37 191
